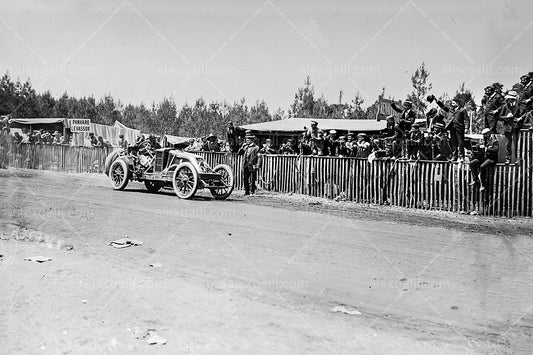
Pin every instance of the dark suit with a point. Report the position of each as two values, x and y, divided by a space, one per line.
251 163
458 120
510 115
489 106
486 160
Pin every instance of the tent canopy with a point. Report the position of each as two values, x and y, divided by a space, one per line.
298 124
173 140
34 121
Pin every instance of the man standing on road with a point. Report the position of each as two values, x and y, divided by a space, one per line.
251 163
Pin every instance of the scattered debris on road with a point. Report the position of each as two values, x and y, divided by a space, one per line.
156 339
125 243
346 310
39 259
150 335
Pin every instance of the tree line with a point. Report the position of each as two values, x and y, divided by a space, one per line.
21 100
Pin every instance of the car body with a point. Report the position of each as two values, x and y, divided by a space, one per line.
169 168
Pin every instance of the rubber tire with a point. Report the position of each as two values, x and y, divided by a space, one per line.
122 164
110 159
230 190
153 186
191 193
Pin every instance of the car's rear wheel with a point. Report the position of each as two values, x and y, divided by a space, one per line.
153 186
226 182
185 180
119 174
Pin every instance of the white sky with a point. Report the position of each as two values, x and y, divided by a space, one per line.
140 51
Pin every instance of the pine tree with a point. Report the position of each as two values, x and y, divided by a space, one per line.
421 88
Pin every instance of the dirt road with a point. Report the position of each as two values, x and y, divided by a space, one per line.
258 274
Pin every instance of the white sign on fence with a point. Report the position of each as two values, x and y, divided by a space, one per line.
80 125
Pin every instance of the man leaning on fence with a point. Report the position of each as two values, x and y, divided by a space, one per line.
122 143
251 163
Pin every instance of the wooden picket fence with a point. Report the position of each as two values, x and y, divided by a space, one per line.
54 157
421 184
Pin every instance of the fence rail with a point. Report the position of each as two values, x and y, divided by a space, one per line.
421 184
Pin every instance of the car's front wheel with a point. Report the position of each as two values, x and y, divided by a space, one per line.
119 174
185 180
226 182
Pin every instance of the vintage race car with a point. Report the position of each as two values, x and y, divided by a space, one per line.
169 168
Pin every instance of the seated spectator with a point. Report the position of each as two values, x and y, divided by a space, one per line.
363 147
195 145
102 142
331 143
351 145
56 140
378 148
414 140
288 147
442 149
267 148
342 150
17 138
46 137
36 137
305 146
485 158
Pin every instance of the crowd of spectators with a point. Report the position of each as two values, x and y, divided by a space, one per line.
38 136
47 137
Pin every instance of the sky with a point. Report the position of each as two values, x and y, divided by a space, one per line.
142 51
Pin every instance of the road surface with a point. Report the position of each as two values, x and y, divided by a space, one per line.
259 274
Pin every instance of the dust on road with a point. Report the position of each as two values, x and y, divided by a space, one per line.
256 274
